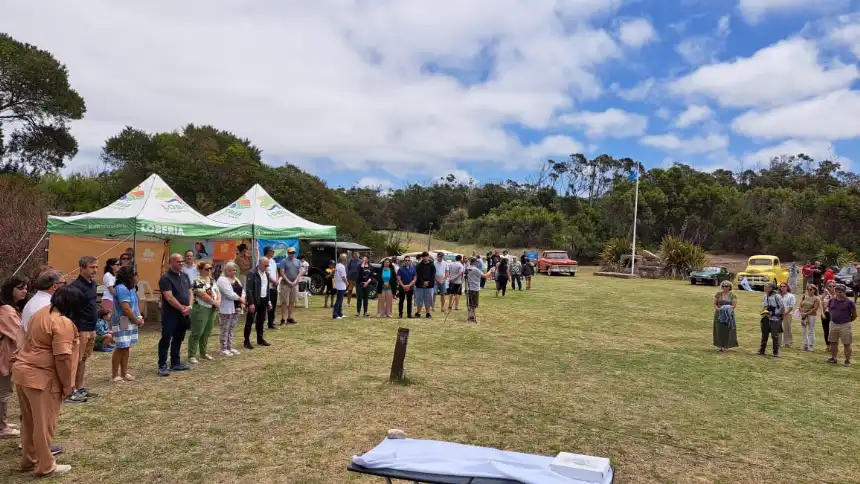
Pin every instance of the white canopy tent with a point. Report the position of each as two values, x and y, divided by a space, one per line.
151 209
258 214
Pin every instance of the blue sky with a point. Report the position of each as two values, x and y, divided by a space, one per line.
388 92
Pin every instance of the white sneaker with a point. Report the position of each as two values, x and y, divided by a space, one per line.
226 353
60 470
235 352
193 360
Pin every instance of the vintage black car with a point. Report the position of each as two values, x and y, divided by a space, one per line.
710 275
322 253
846 276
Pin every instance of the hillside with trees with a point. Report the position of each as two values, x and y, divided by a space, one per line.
795 207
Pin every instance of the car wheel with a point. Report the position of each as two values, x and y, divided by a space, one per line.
714 281
317 285
573 274
692 282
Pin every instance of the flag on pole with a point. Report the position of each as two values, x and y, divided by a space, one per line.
634 175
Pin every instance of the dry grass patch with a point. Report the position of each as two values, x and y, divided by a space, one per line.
595 365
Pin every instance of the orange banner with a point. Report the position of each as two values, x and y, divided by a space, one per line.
64 251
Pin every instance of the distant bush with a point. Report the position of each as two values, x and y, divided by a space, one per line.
681 257
613 249
834 255
22 223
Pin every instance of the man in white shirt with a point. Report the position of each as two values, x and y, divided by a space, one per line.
790 303
272 274
189 267
340 285
456 271
46 285
441 279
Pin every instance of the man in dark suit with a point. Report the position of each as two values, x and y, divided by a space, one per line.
257 299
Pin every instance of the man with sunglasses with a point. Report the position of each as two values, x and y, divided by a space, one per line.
124 259
843 312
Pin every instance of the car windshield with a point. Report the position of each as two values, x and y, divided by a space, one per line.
711 269
847 271
761 262
555 255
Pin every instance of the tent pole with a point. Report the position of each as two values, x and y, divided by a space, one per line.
31 252
134 246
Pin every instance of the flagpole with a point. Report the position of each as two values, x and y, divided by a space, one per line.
635 214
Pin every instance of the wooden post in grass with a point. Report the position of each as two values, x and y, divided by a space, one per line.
399 355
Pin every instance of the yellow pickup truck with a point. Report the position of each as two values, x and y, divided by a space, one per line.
762 269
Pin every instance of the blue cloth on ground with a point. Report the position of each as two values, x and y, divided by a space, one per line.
448 458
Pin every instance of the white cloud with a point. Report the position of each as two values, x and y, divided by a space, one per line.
612 123
834 116
694 114
374 182
696 50
637 33
340 81
754 10
688 146
551 146
703 49
639 92
724 26
781 73
817 149
663 113
846 31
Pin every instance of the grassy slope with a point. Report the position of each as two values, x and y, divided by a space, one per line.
588 364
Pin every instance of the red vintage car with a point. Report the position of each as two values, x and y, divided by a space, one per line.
556 262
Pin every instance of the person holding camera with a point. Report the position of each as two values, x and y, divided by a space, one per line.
771 319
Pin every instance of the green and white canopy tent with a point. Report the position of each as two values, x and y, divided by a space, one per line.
152 209
258 214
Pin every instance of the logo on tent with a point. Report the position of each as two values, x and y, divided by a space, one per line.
234 210
125 201
170 201
272 208
241 204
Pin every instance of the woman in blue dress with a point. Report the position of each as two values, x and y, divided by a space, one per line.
385 299
126 321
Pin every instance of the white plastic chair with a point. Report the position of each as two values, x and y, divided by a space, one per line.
304 295
145 295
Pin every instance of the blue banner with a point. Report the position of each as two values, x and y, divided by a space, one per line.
532 254
280 247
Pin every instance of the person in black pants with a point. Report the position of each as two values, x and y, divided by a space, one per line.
176 298
503 275
405 281
257 301
771 319
272 295
366 277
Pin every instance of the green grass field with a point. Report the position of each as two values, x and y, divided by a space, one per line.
593 365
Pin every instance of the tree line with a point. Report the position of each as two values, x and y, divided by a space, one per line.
795 207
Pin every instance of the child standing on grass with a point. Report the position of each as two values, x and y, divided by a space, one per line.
104 336
474 278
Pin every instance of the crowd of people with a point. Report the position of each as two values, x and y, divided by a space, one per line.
420 283
50 329
822 299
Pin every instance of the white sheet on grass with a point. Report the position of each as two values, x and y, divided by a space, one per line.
448 458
